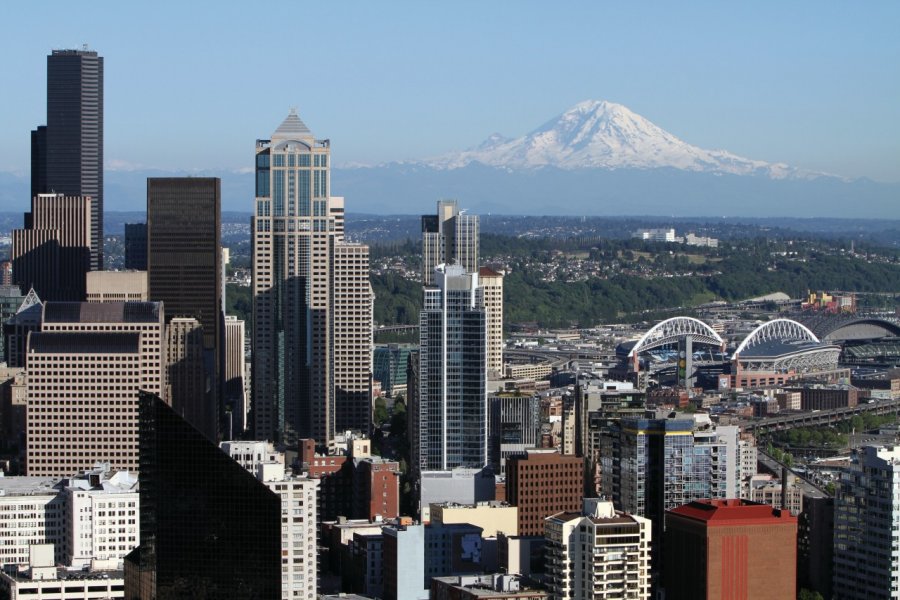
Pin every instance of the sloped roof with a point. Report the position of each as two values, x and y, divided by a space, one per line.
292 128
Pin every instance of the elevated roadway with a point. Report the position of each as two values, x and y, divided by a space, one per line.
819 417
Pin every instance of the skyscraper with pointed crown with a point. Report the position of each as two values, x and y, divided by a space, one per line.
312 301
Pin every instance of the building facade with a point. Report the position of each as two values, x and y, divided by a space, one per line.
598 554
32 511
541 483
117 286
297 234
452 399
491 298
208 527
730 549
866 537
449 237
85 368
53 253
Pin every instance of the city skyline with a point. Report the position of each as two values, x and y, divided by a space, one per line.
744 80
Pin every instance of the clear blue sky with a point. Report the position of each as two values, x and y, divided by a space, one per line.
191 85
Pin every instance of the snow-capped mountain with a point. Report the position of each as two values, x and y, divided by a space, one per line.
605 135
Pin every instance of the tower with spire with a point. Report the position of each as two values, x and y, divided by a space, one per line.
312 300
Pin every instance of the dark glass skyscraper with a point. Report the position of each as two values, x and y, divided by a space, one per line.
67 153
184 271
209 529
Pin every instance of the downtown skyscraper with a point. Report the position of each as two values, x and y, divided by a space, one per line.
67 152
448 237
312 301
451 402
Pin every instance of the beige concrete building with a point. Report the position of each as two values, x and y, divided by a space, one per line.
767 489
493 517
297 241
529 371
145 318
237 401
599 554
82 401
85 368
52 253
188 385
491 298
352 303
117 286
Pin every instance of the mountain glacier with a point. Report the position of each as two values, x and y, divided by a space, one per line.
600 134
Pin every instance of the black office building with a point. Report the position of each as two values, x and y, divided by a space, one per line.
184 269
67 153
136 246
209 529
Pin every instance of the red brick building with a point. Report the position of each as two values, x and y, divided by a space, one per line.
356 485
734 549
542 483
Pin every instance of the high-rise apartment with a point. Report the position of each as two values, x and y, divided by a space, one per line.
866 535
451 237
730 549
452 398
184 272
312 307
67 153
598 554
650 466
491 298
52 254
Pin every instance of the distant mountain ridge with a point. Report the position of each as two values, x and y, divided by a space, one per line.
597 159
600 134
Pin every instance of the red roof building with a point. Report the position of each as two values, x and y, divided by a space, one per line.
733 549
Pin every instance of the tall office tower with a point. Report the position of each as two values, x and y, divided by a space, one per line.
6 273
450 237
234 391
650 466
85 368
542 483
145 318
452 398
187 381
82 401
390 364
730 549
866 513
209 529
52 254
514 426
598 553
184 269
491 298
301 388
136 246
67 153
352 303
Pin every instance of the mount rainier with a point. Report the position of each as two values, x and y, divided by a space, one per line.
600 134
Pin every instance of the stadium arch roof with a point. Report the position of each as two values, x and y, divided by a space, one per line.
777 331
671 330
